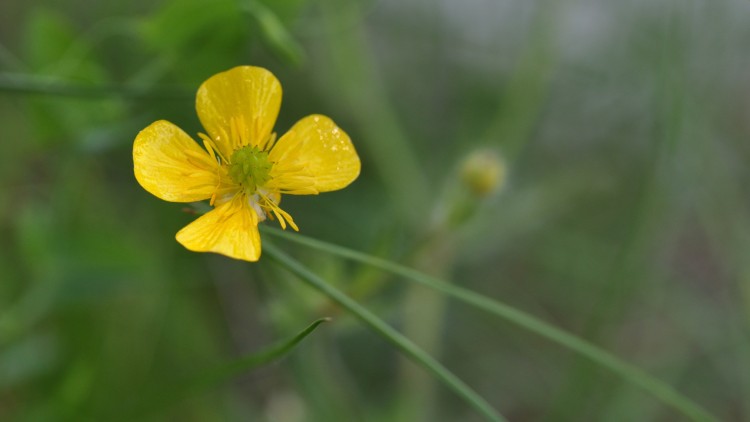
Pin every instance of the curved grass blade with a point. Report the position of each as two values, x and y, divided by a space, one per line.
218 375
402 343
662 391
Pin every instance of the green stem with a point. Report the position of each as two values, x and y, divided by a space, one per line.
402 343
627 371
423 322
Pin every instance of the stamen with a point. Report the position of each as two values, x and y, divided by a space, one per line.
281 215
240 133
212 148
282 223
270 142
288 218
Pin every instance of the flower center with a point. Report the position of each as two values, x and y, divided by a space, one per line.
250 167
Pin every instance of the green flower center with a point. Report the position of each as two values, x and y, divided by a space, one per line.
250 167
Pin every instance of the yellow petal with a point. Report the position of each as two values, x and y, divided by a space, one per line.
314 156
239 107
230 229
170 165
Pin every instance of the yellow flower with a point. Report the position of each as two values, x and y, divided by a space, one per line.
243 169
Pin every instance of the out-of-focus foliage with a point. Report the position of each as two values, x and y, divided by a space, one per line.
624 216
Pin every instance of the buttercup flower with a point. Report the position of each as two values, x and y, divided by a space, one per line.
243 169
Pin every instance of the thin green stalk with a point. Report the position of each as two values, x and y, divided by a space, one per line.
402 343
423 321
627 371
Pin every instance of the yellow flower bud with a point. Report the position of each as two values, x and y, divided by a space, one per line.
483 172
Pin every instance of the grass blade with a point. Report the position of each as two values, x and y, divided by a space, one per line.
402 343
627 371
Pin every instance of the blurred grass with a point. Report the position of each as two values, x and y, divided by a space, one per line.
624 218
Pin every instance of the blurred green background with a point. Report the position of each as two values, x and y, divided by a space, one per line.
624 216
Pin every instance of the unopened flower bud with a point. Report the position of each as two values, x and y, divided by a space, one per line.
483 172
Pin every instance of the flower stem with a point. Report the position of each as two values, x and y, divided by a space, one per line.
423 322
